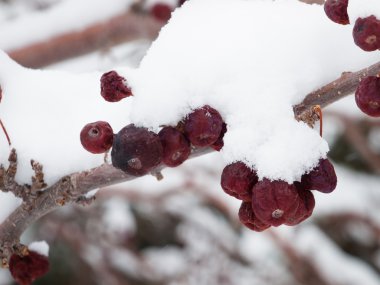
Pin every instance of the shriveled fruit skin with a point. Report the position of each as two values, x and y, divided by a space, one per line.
26 269
176 147
97 137
275 202
237 180
336 11
305 208
366 33
218 145
161 12
367 96
203 126
113 87
322 178
247 217
136 150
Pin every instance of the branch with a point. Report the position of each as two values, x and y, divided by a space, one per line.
332 92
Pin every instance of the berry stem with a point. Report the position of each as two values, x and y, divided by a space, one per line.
5 132
318 110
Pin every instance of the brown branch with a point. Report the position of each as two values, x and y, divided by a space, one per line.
125 27
332 92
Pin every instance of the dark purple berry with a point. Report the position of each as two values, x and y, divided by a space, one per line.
203 126
322 178
136 150
336 10
113 87
366 33
247 217
237 180
26 269
367 96
218 145
305 208
97 137
161 12
275 202
176 147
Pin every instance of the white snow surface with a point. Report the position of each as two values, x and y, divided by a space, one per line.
362 8
40 247
61 18
252 67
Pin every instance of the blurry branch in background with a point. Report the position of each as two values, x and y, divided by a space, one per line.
129 26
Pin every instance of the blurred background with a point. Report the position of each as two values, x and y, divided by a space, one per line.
184 229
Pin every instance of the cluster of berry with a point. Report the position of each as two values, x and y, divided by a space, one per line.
268 203
366 35
162 11
136 150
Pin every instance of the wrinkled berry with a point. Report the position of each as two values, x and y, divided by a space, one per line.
176 147
203 126
247 217
322 178
161 12
218 145
97 137
305 208
113 87
26 269
275 202
136 150
366 33
237 180
336 10
367 96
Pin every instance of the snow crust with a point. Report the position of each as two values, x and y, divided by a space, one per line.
252 68
40 247
62 17
362 8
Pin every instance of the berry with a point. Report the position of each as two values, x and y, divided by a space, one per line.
275 202
366 33
136 150
113 87
180 2
97 137
237 180
305 208
322 178
367 96
218 145
176 147
336 10
161 12
26 269
203 126
247 217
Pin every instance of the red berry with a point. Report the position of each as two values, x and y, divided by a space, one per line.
336 10
322 178
218 145
26 269
247 217
113 87
97 137
237 180
176 147
367 96
180 2
305 208
161 12
366 33
136 150
275 202
203 126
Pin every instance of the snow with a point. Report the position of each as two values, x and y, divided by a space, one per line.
362 8
252 69
8 204
40 247
61 18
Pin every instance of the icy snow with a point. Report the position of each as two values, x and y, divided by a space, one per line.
252 60
40 247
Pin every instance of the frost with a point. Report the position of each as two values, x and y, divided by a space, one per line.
40 247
